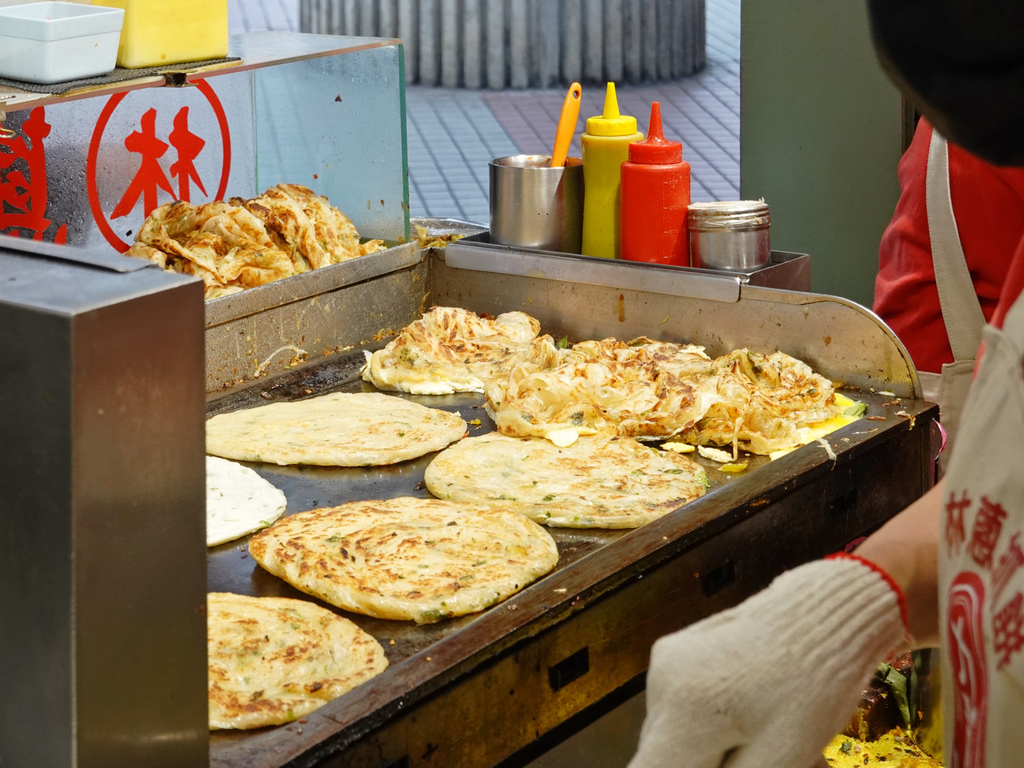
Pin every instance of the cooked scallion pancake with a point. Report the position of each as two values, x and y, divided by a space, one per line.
407 558
643 389
764 403
596 482
345 430
451 350
273 660
658 390
238 501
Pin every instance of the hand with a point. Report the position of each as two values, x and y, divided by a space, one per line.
767 684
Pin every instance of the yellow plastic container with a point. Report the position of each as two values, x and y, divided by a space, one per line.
605 148
158 32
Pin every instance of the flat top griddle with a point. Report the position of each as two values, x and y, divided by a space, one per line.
426 658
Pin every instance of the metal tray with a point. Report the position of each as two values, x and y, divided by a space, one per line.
267 330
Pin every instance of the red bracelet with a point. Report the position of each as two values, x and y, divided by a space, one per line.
900 598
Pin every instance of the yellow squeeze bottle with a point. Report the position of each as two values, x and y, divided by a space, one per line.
605 148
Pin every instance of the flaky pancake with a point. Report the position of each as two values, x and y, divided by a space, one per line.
764 402
273 660
407 558
451 350
238 244
654 390
345 430
238 501
643 389
596 482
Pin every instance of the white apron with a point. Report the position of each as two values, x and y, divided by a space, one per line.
961 310
981 563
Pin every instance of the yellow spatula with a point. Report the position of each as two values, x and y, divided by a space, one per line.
566 125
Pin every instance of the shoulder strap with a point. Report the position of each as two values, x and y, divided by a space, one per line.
961 310
1013 323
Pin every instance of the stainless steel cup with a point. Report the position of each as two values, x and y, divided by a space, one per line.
729 235
536 206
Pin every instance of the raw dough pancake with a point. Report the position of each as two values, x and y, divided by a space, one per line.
594 483
407 558
273 660
451 350
344 430
238 501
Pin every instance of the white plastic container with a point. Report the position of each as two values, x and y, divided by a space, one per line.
53 42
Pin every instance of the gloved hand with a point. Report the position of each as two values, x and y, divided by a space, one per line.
768 683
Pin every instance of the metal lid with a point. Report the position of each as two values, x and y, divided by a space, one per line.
729 214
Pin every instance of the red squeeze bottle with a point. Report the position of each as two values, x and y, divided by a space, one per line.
655 194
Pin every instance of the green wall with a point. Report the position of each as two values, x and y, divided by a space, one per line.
820 134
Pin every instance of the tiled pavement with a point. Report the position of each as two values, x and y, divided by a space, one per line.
454 133
261 15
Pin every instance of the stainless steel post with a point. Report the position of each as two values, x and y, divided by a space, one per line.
102 521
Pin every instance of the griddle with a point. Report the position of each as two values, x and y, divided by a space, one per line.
499 686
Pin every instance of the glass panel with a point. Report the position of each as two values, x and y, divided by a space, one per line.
88 171
94 168
337 125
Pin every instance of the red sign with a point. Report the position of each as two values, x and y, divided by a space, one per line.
147 148
24 183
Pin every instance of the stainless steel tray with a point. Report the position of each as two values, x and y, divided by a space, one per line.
267 330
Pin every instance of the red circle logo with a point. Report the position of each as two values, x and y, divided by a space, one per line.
150 178
966 649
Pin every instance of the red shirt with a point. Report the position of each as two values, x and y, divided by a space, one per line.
1013 287
988 203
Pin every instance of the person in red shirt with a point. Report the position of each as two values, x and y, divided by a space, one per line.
943 261
988 206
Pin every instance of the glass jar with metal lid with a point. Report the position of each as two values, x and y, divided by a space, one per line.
731 235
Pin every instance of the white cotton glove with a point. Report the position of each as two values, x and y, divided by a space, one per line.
768 683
